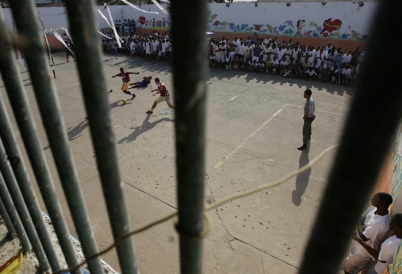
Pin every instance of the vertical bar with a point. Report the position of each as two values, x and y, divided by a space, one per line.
17 163
374 115
83 30
12 212
10 226
23 115
50 110
189 76
21 208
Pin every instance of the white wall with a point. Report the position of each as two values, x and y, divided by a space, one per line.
301 19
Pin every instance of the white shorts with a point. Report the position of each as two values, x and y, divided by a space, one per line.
257 59
163 98
355 263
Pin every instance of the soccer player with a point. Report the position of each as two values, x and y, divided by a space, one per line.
125 77
164 95
144 83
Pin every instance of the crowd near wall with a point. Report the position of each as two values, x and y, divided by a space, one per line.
345 23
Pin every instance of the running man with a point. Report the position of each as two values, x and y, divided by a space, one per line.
144 83
164 95
125 77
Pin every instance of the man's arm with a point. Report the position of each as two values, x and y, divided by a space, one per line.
133 72
369 249
360 233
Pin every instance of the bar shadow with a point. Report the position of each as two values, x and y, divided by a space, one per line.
5 240
302 179
146 125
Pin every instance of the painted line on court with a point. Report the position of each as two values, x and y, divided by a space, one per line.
234 97
221 162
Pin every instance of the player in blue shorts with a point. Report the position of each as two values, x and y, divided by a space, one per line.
144 83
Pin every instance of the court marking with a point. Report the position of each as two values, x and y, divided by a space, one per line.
221 162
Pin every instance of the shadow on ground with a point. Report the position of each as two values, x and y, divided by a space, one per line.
302 179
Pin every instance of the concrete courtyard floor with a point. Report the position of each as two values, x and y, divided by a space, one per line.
254 124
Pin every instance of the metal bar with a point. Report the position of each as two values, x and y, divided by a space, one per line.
83 30
18 165
22 112
12 213
374 116
20 206
55 129
189 77
10 227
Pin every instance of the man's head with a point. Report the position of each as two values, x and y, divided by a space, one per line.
121 69
381 200
307 93
149 78
396 224
157 80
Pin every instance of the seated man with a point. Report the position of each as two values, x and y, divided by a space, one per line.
388 249
372 230
143 83
310 74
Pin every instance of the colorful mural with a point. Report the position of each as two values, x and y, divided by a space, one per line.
327 29
396 194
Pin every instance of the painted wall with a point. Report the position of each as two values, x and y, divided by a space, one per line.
396 192
335 20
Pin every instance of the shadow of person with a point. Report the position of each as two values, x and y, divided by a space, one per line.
146 125
76 131
302 179
5 240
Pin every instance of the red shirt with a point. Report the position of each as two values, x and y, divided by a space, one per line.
162 89
125 76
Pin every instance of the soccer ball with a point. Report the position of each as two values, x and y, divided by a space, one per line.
124 101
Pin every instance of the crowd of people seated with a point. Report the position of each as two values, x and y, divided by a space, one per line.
326 63
261 55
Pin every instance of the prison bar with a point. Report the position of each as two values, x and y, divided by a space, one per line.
189 78
28 29
90 67
9 224
17 203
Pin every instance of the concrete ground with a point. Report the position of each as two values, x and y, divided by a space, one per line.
254 124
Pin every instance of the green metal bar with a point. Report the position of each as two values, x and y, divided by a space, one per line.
189 76
23 115
50 110
10 227
12 212
90 67
374 115
18 165
18 203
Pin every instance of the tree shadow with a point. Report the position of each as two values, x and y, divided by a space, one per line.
146 125
302 179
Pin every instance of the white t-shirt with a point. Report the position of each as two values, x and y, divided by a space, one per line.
241 49
376 228
346 71
388 249
311 73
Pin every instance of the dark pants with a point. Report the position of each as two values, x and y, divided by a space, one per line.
307 129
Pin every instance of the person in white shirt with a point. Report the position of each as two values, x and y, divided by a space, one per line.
346 71
371 231
309 117
282 65
163 55
281 52
275 65
385 256
310 74
132 50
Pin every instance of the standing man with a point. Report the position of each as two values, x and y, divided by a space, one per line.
309 116
164 95
125 77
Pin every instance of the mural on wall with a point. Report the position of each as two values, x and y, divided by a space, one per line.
152 23
396 188
330 28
